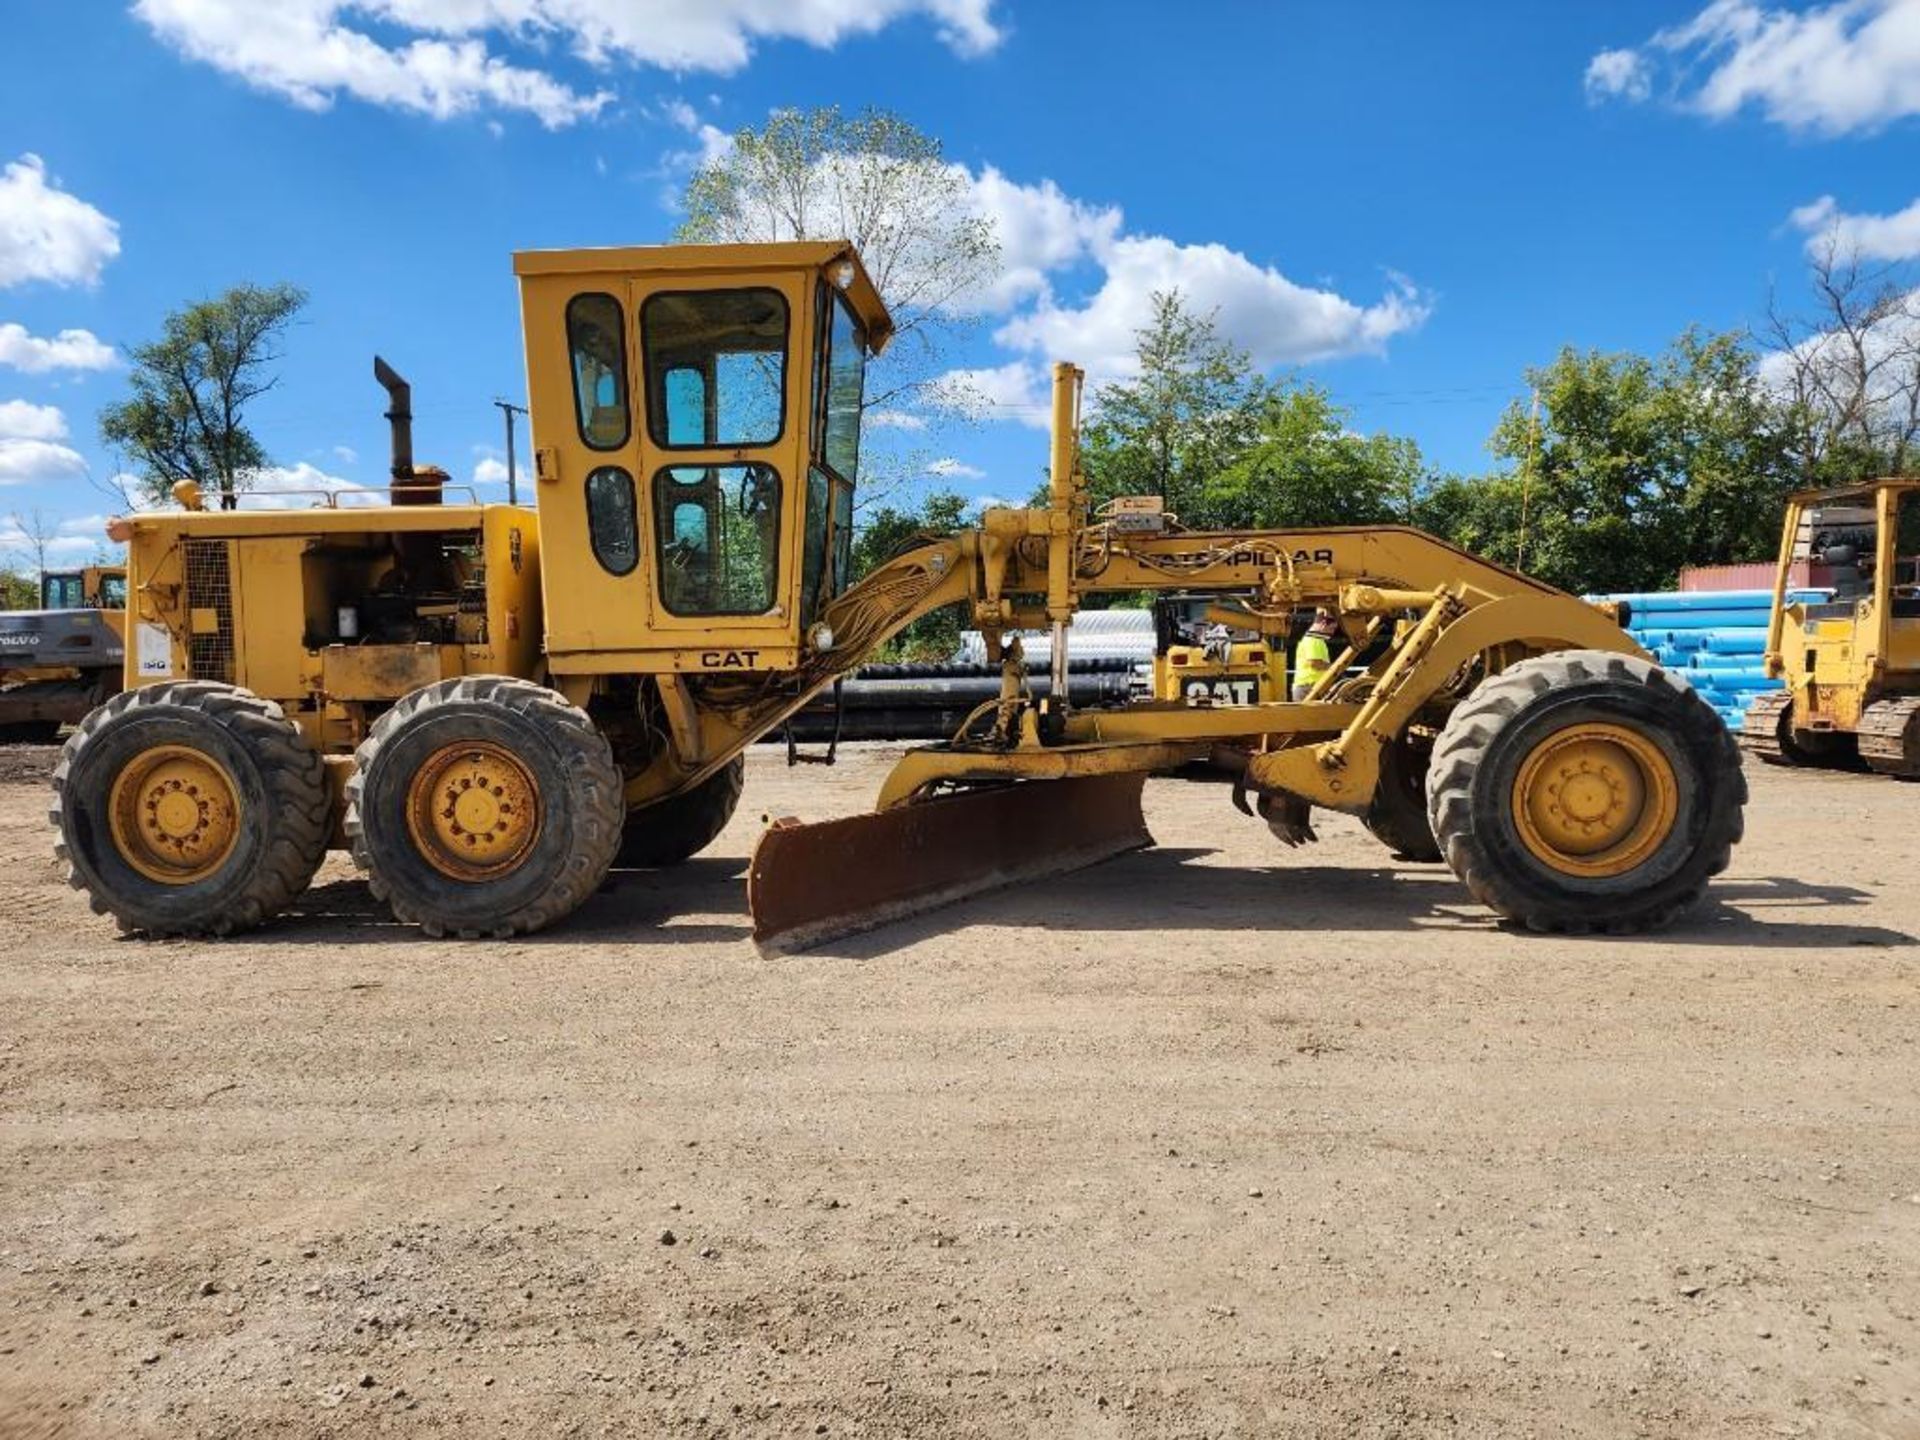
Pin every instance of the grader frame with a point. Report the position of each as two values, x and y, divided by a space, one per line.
521 697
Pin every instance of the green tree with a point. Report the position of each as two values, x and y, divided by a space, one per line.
1304 465
1634 466
18 590
1192 409
186 417
878 181
887 531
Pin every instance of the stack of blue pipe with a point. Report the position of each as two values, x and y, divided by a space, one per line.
1716 637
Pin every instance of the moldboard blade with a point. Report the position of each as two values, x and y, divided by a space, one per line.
812 883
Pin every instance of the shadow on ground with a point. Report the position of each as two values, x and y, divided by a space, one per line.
1151 890
633 907
1165 889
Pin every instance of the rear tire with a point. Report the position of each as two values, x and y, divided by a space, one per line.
677 829
484 806
1586 790
190 808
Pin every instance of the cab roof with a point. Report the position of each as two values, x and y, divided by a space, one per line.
1830 493
719 260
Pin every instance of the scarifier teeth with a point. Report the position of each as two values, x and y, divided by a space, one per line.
1289 817
808 884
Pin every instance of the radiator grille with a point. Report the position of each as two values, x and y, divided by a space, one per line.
209 587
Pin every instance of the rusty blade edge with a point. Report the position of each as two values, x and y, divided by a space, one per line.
794 863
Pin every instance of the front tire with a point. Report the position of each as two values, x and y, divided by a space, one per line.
1397 817
677 829
190 808
484 806
1586 790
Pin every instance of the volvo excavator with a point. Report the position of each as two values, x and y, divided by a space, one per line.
491 705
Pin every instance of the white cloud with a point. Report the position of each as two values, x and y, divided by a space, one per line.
443 64
1867 237
47 234
1275 320
23 461
1872 365
299 49
297 487
1618 74
1829 68
30 447
893 420
1052 243
69 542
490 471
22 420
69 350
1014 391
1040 230
346 454
948 468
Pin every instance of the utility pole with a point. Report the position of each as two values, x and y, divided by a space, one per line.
509 409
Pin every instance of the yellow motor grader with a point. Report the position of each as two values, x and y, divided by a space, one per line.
492 705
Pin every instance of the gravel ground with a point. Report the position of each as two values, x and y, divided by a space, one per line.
1216 1139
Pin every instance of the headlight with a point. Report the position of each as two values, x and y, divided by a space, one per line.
820 637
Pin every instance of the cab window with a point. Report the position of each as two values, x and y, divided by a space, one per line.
113 592
1905 578
62 592
717 533
716 365
841 397
598 345
613 527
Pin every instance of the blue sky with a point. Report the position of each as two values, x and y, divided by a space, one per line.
1407 202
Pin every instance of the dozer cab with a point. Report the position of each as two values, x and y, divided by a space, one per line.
491 705
1851 662
1203 656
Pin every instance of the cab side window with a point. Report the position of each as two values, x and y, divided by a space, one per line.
597 342
613 524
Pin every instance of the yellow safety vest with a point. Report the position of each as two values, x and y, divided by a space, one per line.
1311 659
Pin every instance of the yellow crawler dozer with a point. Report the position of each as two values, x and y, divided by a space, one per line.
492 705
1851 662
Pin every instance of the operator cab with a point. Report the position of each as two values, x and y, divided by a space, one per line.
95 588
696 423
1847 540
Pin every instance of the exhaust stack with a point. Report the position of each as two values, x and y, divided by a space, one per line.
410 486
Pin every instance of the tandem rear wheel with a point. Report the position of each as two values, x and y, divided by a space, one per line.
484 807
189 808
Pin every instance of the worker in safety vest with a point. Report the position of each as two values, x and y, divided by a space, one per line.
1314 654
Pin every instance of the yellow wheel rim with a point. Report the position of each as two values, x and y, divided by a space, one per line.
1595 800
175 814
473 810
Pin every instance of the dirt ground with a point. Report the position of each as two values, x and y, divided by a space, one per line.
1216 1139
